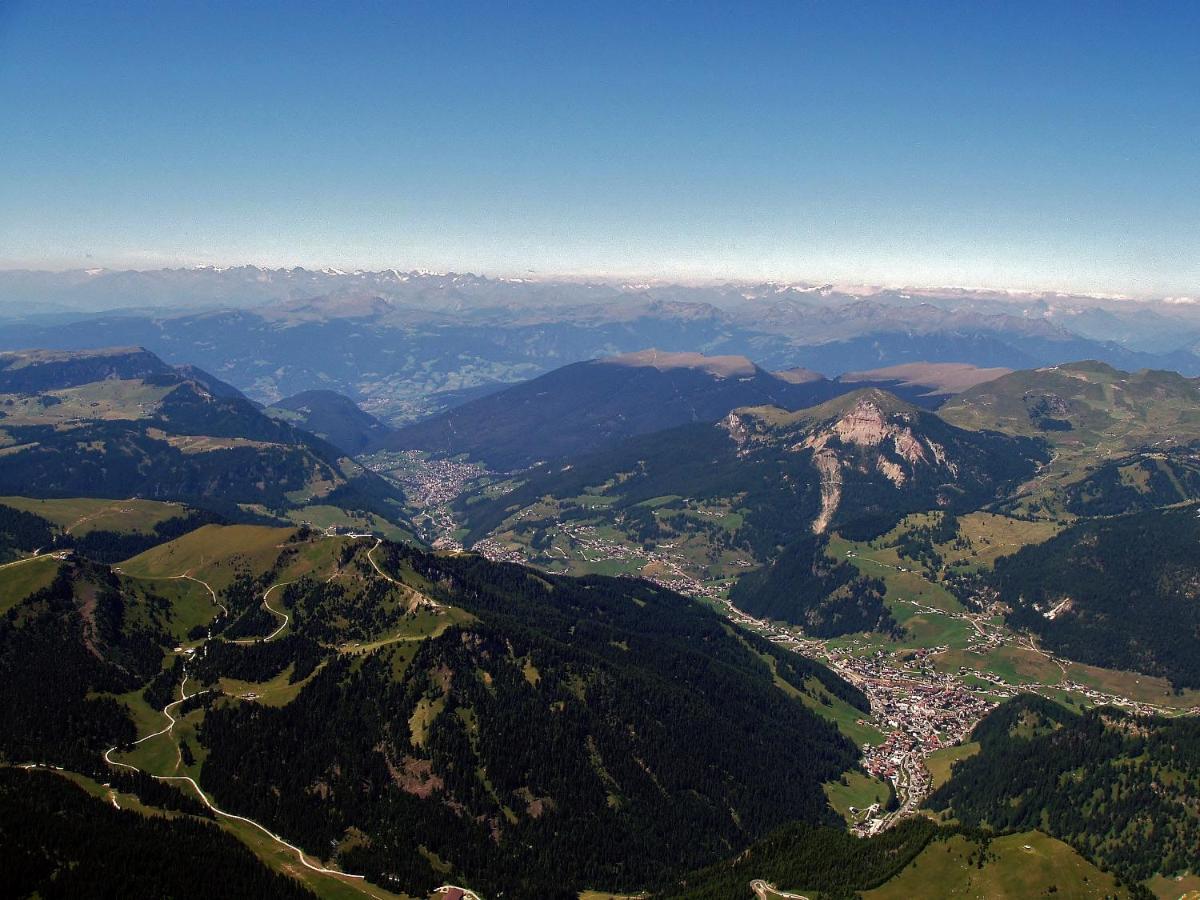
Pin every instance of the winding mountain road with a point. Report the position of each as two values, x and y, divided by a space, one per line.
428 601
171 721
358 880
282 615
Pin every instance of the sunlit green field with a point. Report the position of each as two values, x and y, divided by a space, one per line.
1016 665
322 516
1015 867
860 792
212 553
111 399
1172 888
80 515
940 762
20 579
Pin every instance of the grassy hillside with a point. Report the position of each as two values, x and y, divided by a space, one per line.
934 380
1083 404
1091 414
101 530
214 553
1010 867
21 578
82 515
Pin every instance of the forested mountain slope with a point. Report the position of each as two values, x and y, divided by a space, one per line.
806 586
61 843
1122 592
746 488
121 423
533 734
802 857
1156 476
66 650
1120 788
573 733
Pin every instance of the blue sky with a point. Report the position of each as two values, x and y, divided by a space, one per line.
1050 145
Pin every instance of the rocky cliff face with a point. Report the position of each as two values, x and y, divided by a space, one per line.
868 445
877 442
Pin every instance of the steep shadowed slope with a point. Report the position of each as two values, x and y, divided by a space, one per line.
587 406
332 417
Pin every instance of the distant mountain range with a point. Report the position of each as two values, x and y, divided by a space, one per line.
383 718
409 344
815 313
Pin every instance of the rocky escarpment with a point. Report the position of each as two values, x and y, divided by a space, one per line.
873 452
891 448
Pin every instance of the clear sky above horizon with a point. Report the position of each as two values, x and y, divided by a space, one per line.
1029 144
